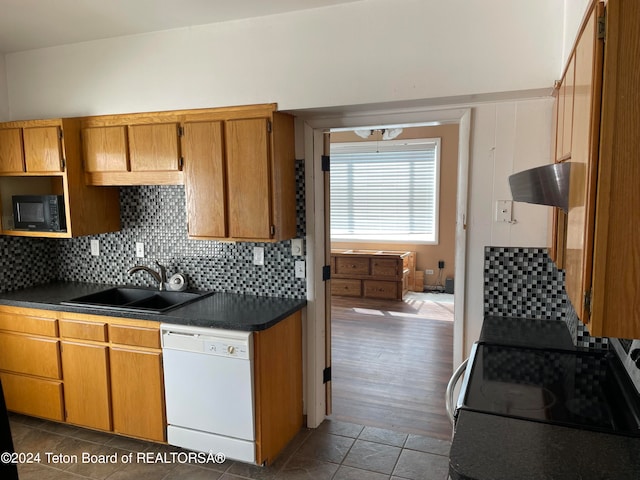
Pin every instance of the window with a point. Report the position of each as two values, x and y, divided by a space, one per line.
385 191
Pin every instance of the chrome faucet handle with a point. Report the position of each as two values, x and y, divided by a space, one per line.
163 273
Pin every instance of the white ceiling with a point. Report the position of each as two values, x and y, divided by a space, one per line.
30 24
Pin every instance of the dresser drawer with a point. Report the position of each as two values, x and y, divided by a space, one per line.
386 267
382 289
346 287
352 266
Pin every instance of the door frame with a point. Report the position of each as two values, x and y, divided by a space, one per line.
318 316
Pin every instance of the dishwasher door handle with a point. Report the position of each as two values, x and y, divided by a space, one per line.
451 386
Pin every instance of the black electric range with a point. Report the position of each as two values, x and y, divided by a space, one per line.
580 389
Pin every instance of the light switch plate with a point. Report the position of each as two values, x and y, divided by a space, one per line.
504 211
95 248
139 249
300 269
296 247
258 255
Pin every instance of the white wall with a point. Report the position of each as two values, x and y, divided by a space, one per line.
4 92
371 51
505 138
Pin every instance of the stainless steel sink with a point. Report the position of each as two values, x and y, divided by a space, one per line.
132 299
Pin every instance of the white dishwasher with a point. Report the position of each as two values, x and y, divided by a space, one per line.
208 382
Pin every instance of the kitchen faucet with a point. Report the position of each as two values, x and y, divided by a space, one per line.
160 277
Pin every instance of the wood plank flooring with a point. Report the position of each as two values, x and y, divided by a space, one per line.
391 362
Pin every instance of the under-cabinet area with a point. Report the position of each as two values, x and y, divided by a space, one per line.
237 165
107 373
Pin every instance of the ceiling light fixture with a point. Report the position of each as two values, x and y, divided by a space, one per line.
387 134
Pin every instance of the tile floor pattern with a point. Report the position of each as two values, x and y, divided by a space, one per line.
334 451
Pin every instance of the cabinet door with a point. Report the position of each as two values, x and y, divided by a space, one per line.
85 372
33 396
137 394
204 179
11 151
105 149
584 157
42 149
154 147
249 178
567 91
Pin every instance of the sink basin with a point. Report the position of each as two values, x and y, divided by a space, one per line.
131 299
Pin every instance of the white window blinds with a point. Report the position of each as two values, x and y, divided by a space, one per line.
385 191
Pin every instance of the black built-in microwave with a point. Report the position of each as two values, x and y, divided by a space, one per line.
42 213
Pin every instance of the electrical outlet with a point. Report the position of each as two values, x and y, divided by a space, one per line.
428 272
139 249
441 264
95 248
300 269
258 255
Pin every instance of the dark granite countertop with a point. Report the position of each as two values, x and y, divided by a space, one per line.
229 311
490 447
526 332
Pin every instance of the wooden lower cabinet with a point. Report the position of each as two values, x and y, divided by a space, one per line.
85 370
137 394
278 386
346 287
33 396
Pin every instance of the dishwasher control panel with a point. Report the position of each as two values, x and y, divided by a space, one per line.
223 343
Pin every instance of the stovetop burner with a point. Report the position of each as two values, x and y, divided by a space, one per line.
571 388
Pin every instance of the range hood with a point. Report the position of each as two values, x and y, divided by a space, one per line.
546 185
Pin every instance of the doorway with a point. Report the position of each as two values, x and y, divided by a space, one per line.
317 324
393 205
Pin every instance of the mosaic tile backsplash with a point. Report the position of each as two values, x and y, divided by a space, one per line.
524 282
156 216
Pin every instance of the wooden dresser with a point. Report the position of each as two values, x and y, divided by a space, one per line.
372 273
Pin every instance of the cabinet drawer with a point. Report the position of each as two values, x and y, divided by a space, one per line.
95 331
381 289
135 336
33 396
29 355
348 288
25 324
352 266
385 267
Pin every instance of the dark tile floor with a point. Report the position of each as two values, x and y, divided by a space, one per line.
334 451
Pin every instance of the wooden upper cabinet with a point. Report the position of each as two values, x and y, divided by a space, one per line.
249 178
11 151
132 149
105 149
204 171
43 149
584 162
154 147
565 117
240 174
53 165
36 149
615 309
